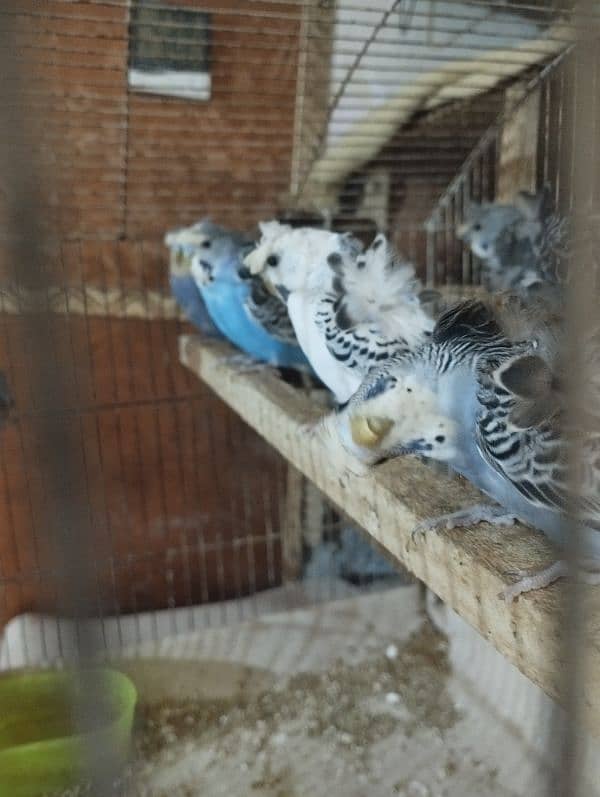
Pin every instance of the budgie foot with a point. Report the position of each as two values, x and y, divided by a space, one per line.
529 580
479 513
310 429
534 579
242 363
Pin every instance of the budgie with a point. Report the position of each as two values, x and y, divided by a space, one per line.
183 244
522 246
350 309
484 396
239 305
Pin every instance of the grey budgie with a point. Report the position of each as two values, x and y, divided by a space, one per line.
484 396
522 246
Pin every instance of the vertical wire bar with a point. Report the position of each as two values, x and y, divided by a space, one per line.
247 539
583 317
560 159
441 265
199 418
466 276
134 413
475 277
77 395
577 121
268 515
166 328
595 135
447 243
117 415
68 532
218 422
234 500
452 276
196 414
177 444
486 188
99 444
542 151
250 561
412 244
302 73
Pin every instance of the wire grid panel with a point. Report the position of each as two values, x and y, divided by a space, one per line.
243 111
544 160
142 117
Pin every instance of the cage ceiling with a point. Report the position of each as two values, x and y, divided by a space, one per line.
390 60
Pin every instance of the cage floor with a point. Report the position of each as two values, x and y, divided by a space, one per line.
363 696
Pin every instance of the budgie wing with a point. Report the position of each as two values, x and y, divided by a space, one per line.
527 445
358 346
270 313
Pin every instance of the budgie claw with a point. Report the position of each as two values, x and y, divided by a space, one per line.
431 524
528 580
310 429
533 579
479 513
243 363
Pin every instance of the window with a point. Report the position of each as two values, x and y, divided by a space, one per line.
169 50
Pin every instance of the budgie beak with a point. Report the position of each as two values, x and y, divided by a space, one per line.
179 261
462 231
272 289
254 261
201 271
282 292
171 238
369 431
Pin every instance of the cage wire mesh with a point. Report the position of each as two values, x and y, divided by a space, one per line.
135 504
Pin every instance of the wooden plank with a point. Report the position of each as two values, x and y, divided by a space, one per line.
466 567
518 146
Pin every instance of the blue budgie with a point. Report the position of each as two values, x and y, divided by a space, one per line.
350 309
255 321
484 396
522 246
183 244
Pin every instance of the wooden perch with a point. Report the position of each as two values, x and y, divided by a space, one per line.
467 568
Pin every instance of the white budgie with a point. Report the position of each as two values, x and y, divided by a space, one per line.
484 396
351 310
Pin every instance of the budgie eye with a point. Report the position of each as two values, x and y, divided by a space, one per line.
272 260
206 244
477 227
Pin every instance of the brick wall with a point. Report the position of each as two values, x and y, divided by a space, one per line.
177 485
181 495
231 155
123 164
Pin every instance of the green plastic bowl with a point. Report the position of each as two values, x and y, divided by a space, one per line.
40 751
